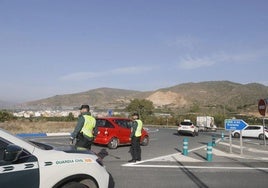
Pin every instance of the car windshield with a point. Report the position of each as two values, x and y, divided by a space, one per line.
41 145
33 143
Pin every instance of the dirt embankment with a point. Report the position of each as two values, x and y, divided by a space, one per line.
16 127
160 98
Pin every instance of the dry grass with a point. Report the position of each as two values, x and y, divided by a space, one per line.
19 126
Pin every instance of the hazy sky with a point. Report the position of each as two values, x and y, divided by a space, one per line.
54 47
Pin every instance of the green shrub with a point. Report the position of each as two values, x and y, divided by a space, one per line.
6 116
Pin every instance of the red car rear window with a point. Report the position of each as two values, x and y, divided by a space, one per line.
123 123
104 123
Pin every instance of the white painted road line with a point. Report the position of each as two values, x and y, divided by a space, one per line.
180 157
171 157
224 154
257 151
194 167
58 134
176 155
227 144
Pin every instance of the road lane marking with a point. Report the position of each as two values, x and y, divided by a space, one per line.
233 145
224 154
258 151
194 167
177 156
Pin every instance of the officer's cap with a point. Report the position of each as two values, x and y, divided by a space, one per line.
135 114
84 106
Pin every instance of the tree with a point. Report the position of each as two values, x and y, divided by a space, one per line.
70 117
5 116
143 107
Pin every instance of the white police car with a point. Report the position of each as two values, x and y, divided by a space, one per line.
26 164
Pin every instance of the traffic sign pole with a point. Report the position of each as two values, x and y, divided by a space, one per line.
230 141
241 143
262 107
264 137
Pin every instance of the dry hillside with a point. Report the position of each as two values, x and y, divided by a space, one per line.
219 95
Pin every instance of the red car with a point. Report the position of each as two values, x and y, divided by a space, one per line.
115 131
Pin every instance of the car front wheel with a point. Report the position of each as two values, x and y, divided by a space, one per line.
89 183
113 144
86 183
145 141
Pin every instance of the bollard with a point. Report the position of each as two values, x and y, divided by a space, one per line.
222 136
213 140
185 147
209 152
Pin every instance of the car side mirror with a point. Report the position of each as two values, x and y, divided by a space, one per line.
12 152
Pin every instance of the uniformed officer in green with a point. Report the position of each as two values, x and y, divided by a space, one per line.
135 136
85 129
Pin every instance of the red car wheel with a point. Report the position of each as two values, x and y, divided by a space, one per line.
145 141
113 143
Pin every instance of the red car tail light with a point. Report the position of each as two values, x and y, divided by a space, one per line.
106 132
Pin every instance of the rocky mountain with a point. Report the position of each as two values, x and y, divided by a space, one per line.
102 98
215 95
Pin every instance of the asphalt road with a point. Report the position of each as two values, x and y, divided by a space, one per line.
163 165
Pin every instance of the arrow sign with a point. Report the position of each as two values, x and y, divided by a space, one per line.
235 124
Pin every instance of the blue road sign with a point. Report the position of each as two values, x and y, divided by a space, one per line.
235 124
110 112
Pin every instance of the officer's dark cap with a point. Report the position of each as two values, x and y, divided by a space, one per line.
135 114
84 106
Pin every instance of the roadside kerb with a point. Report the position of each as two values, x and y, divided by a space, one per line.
26 135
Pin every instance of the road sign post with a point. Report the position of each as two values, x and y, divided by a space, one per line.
230 141
233 125
262 107
264 136
241 143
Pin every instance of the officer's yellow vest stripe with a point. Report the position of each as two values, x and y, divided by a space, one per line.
139 128
89 125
